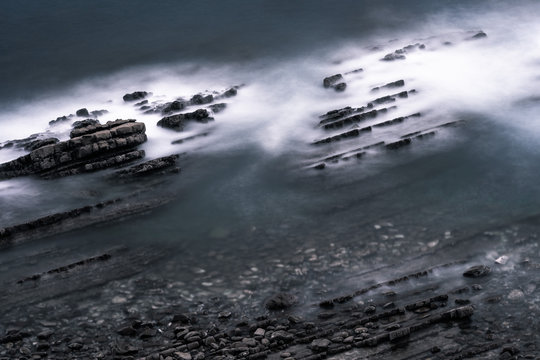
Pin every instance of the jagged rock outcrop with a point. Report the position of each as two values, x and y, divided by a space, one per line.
182 103
33 142
178 122
137 95
92 147
79 113
160 165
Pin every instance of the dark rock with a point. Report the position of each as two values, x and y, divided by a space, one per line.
150 167
479 35
281 301
179 122
98 113
60 119
231 92
201 99
332 80
398 144
512 350
42 346
370 309
174 106
326 315
31 142
75 345
40 143
399 334
393 56
391 85
340 87
137 95
82 112
127 331
90 148
320 345
477 271
148 333
282 335
224 315
45 334
84 123
216 108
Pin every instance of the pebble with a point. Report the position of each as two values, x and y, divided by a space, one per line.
183 355
119 300
516 294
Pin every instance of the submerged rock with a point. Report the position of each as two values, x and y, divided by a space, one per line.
281 301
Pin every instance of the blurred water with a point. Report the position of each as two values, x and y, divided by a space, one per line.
244 193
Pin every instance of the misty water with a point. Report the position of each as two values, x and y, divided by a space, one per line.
248 216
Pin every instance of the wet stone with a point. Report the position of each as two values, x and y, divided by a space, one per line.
281 301
320 345
477 271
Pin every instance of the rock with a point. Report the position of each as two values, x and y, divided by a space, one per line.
282 335
179 122
98 113
40 143
90 148
320 345
393 56
331 80
516 295
75 345
150 167
231 92
201 99
60 119
183 355
224 315
370 309
42 346
477 271
45 334
281 301
479 35
82 112
127 331
502 260
137 95
84 123
391 85
147 333
174 106
340 87
216 108
31 142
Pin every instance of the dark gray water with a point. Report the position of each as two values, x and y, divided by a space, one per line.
245 208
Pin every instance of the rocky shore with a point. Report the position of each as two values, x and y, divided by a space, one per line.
372 295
